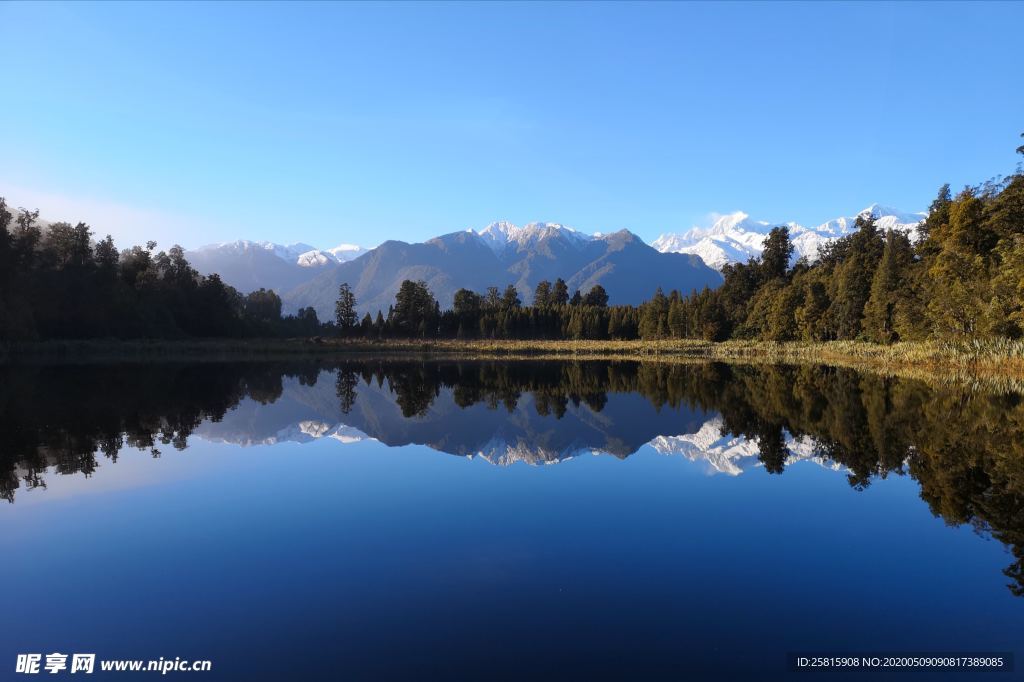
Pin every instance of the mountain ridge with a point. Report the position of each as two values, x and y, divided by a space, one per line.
736 237
502 253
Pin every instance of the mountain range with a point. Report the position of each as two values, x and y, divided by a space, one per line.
736 237
498 255
503 253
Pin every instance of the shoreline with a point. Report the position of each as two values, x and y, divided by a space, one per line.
1002 358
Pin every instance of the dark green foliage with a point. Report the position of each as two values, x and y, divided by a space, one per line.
345 310
542 294
777 252
60 284
559 292
597 297
963 278
888 288
415 311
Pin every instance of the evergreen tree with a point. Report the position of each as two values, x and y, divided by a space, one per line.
810 314
653 317
853 278
596 297
887 287
510 298
560 292
345 315
777 252
676 320
415 310
958 272
542 295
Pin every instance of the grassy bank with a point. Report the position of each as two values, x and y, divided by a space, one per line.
1004 357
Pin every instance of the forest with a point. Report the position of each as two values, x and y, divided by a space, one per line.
60 283
960 278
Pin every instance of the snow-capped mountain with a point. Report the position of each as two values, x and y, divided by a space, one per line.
733 455
501 235
736 237
287 252
250 265
497 255
316 258
300 254
501 254
346 252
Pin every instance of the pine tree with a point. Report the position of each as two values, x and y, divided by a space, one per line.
676 321
887 288
958 273
560 292
542 294
596 297
653 317
345 315
510 298
777 252
810 315
853 278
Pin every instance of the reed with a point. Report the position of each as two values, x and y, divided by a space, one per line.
966 361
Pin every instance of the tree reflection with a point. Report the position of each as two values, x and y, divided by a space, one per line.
964 447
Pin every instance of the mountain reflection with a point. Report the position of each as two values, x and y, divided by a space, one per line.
965 448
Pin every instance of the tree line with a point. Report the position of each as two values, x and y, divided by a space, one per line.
494 313
961 278
60 283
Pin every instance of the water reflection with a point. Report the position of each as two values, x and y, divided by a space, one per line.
965 448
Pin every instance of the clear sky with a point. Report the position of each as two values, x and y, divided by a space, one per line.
329 123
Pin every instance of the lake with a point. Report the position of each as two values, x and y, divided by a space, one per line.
407 519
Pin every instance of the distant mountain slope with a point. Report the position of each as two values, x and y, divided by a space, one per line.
736 237
248 265
445 263
504 254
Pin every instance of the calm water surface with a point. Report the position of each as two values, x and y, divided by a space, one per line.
422 520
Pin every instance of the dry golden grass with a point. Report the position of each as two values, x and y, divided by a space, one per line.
997 364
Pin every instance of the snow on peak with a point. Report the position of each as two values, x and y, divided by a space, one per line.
723 453
303 255
314 259
283 251
345 249
735 237
244 244
501 234
339 254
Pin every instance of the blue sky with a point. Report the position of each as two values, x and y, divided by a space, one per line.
330 123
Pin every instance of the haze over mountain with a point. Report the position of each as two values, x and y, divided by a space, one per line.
503 253
250 265
498 255
736 237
